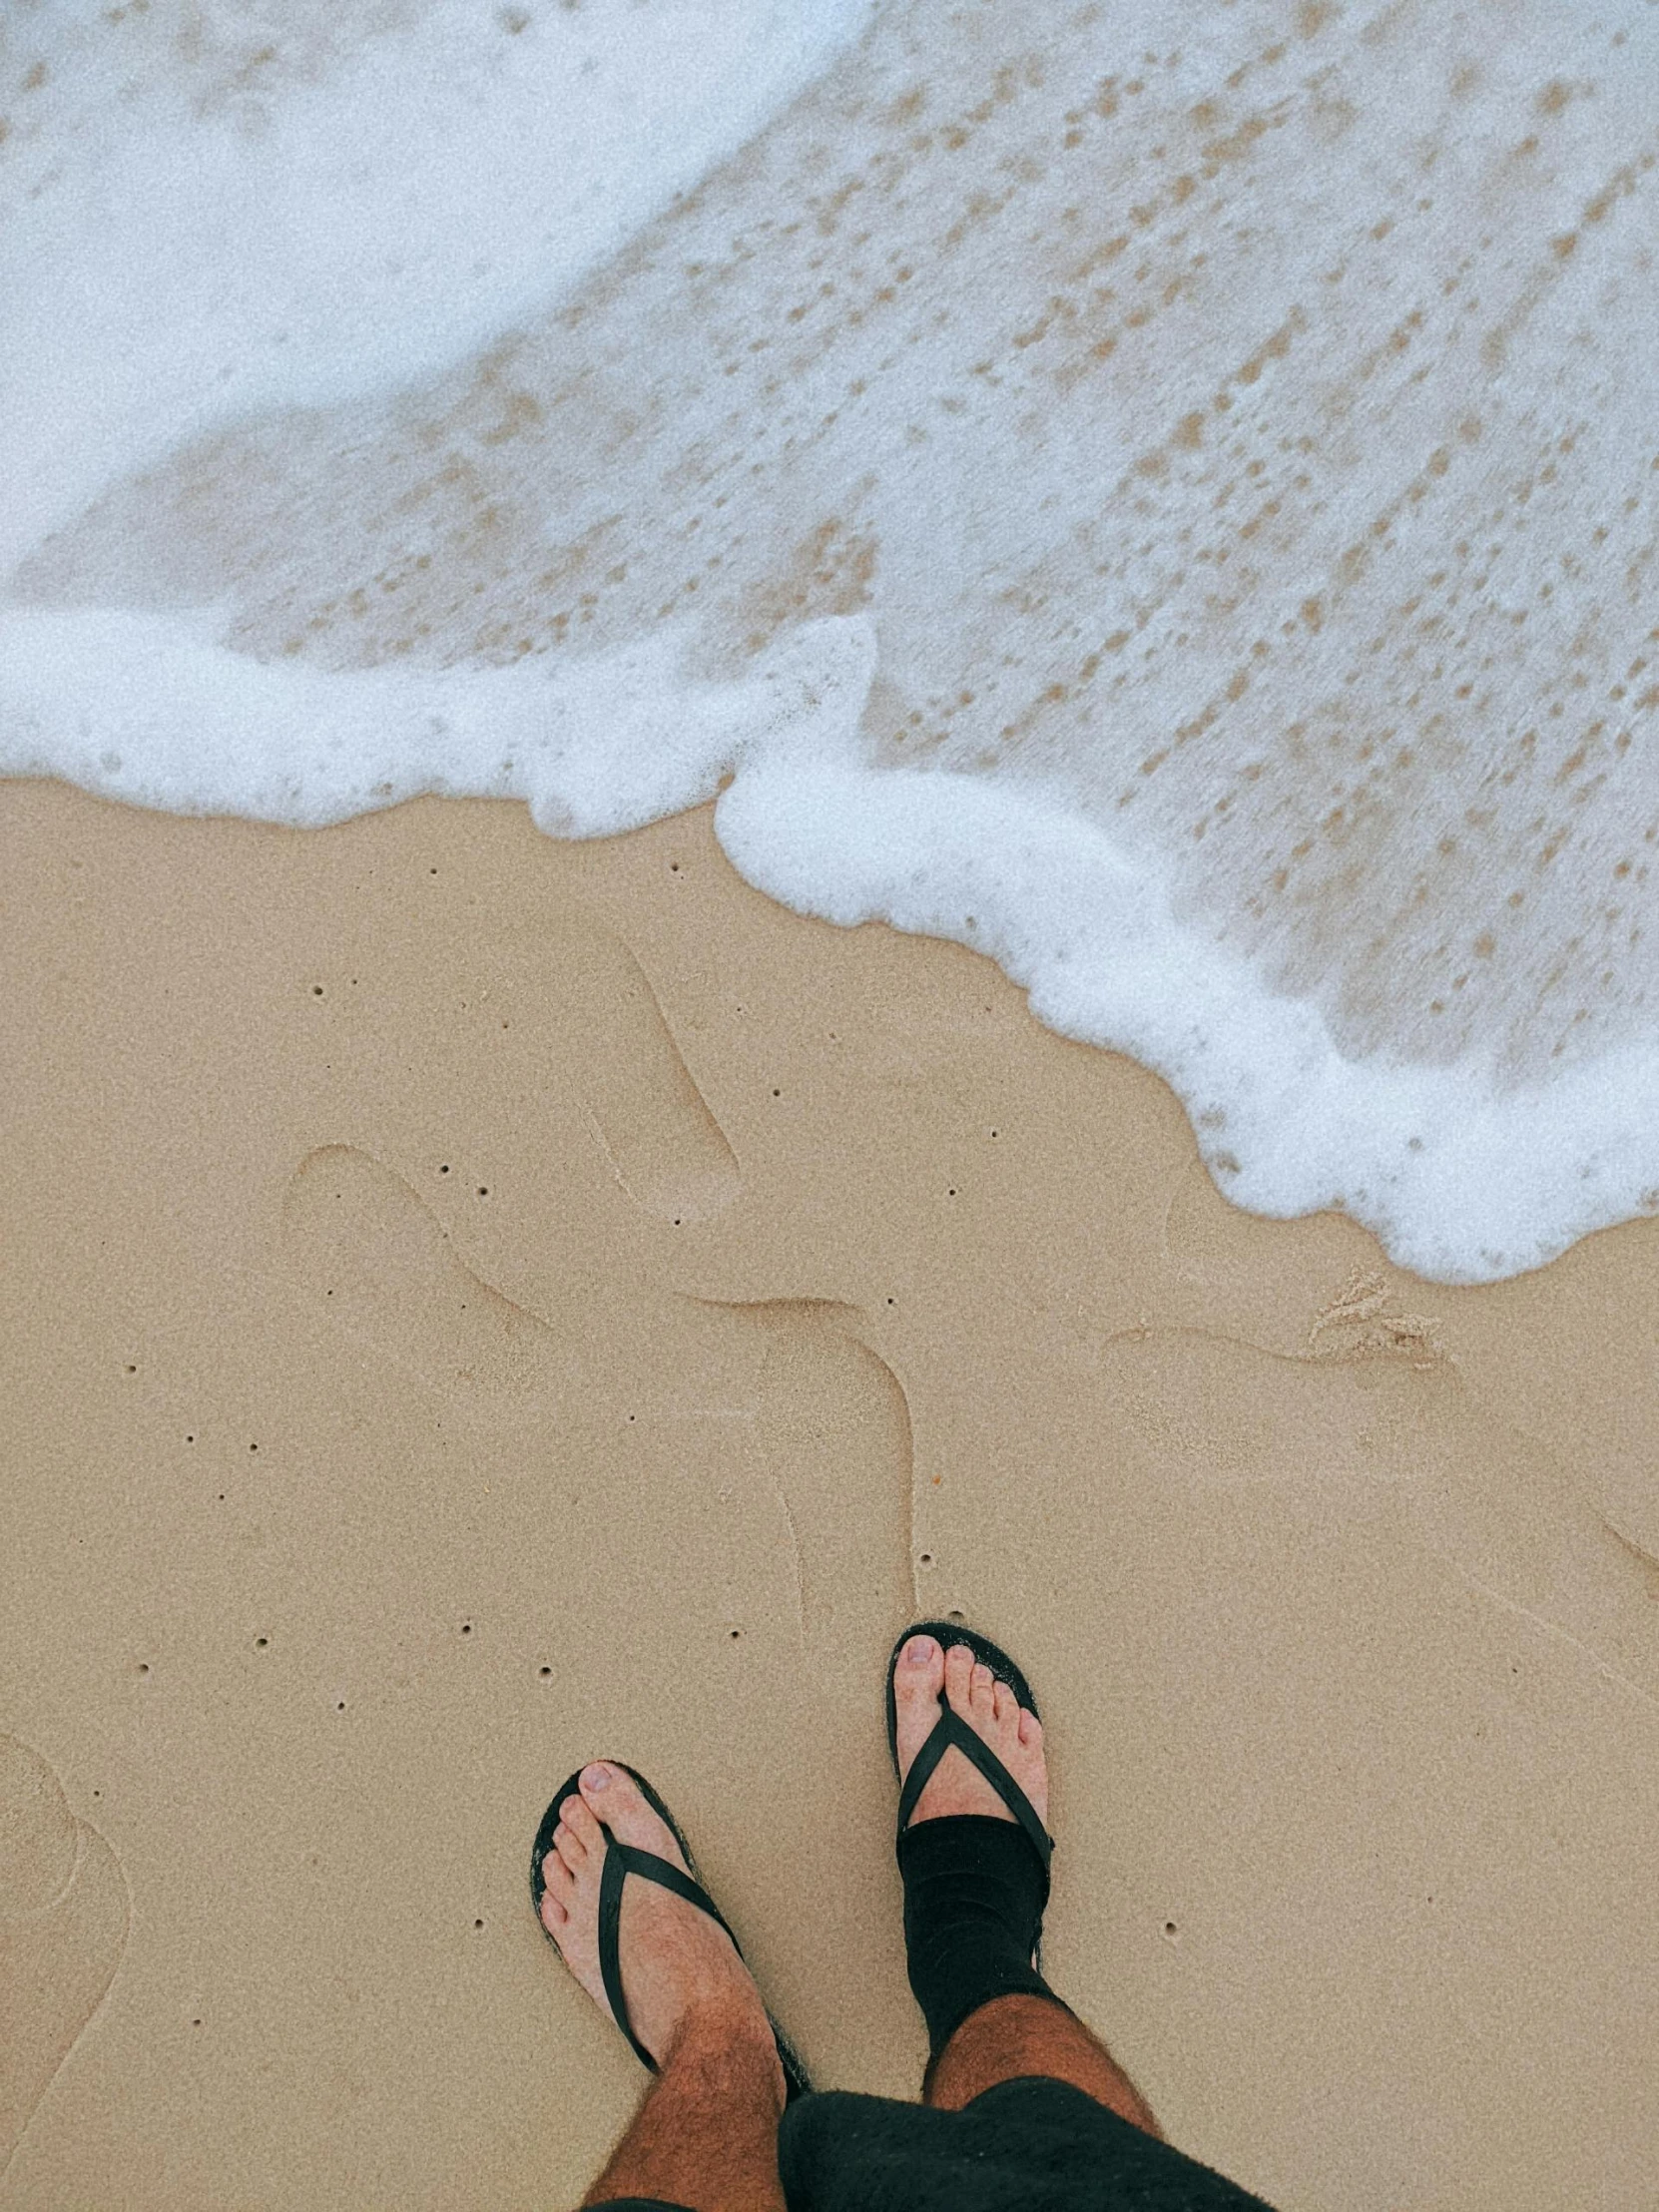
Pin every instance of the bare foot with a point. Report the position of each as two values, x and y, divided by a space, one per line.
990 1709
681 1973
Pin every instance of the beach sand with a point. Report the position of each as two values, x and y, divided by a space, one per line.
473 1303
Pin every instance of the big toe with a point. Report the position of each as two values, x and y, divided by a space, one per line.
612 1795
916 1682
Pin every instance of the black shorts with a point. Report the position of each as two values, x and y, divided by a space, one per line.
1033 2145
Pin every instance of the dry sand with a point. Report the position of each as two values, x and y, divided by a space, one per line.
473 1303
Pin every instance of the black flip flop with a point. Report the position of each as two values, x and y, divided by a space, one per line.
622 1860
950 1729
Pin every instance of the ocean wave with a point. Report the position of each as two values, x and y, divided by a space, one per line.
1183 497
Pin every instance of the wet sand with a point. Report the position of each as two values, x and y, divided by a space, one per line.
472 1303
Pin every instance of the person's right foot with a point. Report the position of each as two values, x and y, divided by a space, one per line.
680 1969
990 1709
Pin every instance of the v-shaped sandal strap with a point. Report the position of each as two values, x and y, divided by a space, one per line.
619 1860
948 1731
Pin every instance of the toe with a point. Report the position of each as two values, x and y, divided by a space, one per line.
959 1679
1030 1728
916 1682
569 1846
982 1698
553 1914
580 1823
1006 1704
628 1815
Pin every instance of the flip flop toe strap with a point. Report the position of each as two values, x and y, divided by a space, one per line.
948 1731
622 1860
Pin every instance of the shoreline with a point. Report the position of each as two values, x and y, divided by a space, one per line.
418 1226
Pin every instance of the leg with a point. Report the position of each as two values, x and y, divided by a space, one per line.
1017 2036
1011 2034
706 2133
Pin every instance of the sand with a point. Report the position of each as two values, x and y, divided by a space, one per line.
473 1303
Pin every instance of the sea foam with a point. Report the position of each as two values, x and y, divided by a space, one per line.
1173 508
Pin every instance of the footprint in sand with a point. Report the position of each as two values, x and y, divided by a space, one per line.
370 1250
829 1420
832 1426
63 1928
826 1419
650 1119
363 1242
365 1245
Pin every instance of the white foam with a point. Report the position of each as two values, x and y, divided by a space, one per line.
151 710
1458 1185
1121 569
1462 1183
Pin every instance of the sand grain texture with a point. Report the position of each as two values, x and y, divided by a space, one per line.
472 1302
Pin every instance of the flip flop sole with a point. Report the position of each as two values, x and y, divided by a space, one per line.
797 2081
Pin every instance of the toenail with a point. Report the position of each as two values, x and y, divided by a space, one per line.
595 1777
919 1650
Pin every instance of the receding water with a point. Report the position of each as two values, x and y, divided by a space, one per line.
1167 496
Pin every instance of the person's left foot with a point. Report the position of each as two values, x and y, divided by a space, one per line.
923 1674
680 1969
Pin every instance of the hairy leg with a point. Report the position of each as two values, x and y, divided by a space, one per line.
1017 2036
706 2133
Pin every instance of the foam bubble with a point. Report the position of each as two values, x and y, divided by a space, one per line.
154 712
